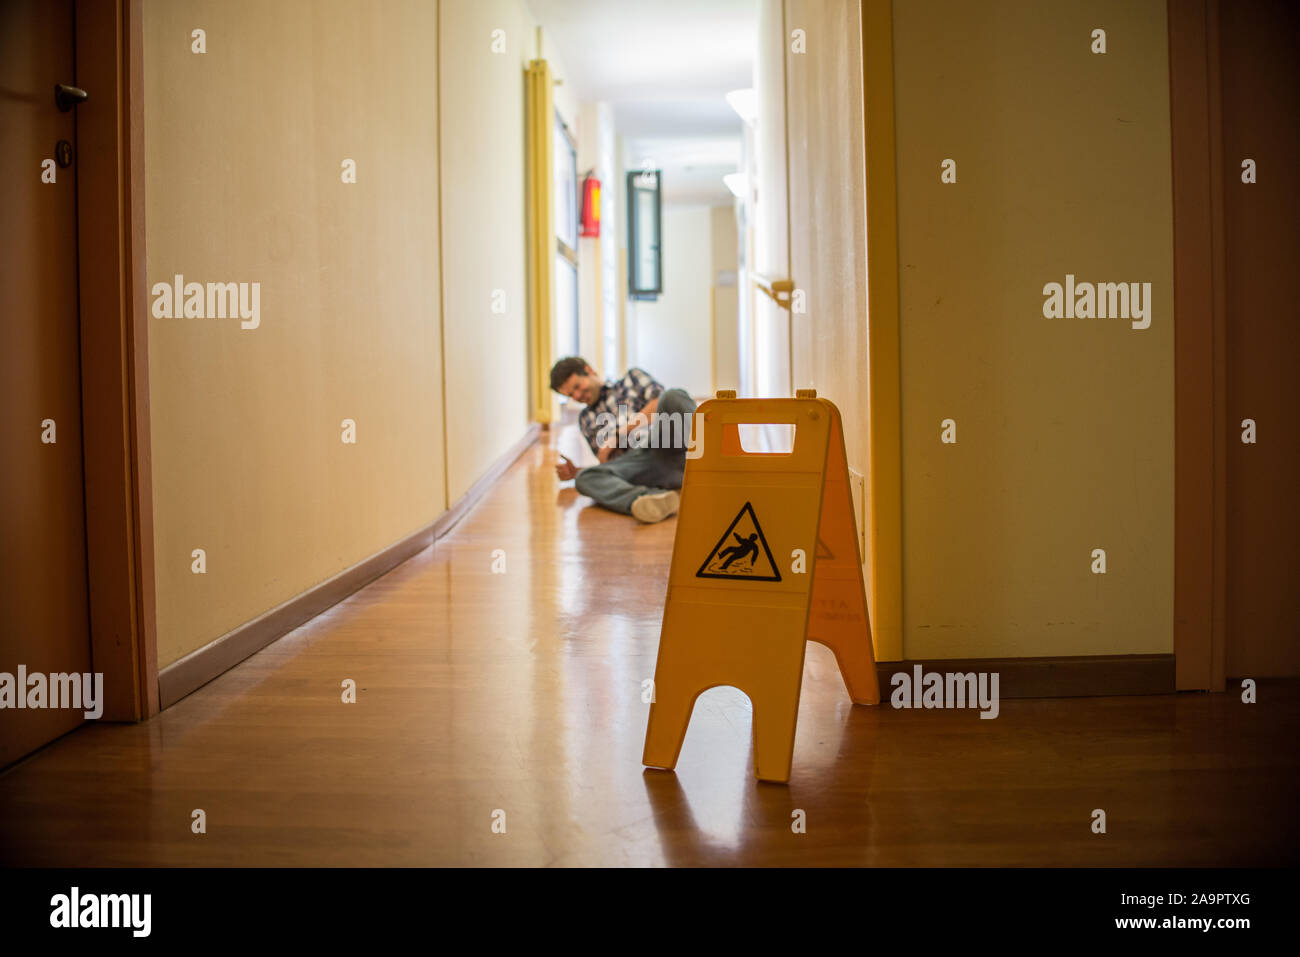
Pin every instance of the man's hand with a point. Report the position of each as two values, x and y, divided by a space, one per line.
565 469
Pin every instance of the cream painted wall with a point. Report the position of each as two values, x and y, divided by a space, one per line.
598 256
771 247
1064 426
590 300
484 233
673 331
828 213
611 227
244 150
565 102
565 97
726 302
631 338
746 292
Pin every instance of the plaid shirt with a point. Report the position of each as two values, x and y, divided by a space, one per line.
634 391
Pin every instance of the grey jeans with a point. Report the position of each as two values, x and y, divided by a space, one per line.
621 481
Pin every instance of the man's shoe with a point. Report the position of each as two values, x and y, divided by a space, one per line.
655 508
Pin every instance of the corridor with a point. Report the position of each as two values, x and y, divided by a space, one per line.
410 405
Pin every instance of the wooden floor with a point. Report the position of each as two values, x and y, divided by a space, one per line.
521 692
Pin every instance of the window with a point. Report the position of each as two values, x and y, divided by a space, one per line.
566 241
645 276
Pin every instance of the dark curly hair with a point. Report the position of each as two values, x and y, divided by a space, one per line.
560 372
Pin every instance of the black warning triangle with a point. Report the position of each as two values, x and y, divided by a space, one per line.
738 556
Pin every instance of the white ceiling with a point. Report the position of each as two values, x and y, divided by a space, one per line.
664 66
693 166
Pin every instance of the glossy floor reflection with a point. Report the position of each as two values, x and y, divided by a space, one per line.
521 692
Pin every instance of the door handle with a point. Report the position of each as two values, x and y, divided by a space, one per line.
780 290
66 97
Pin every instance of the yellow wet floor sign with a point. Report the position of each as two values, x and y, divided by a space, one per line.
765 559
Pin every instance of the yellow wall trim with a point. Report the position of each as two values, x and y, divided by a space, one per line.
541 234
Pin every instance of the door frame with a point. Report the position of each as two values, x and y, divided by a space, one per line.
115 356
1200 345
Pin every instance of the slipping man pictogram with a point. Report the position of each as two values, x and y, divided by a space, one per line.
749 559
746 547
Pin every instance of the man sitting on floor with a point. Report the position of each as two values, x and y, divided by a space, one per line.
638 474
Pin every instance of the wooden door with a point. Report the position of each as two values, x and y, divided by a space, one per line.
44 618
1259 40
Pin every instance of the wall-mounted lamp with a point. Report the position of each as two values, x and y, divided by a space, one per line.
745 103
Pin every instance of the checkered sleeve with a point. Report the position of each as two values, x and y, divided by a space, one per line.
589 426
642 386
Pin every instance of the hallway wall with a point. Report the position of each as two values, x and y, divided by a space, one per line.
363 284
828 219
244 184
1063 426
673 342
725 235
484 234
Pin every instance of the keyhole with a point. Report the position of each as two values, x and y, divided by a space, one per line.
63 154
